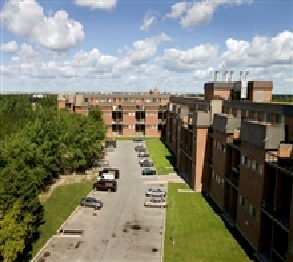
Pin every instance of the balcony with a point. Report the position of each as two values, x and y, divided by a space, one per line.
276 215
117 121
281 219
140 121
273 160
117 108
232 180
140 108
267 207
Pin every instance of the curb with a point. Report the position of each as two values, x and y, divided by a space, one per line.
163 235
49 240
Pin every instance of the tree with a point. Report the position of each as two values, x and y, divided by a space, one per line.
13 232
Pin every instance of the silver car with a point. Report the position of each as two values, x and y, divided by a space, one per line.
155 192
156 202
91 202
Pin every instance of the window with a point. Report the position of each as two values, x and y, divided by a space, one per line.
280 119
254 213
215 144
213 174
253 165
259 169
247 113
238 113
114 99
265 117
255 115
250 208
243 160
242 201
223 182
223 147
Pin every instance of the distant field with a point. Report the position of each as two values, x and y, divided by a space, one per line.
198 233
163 160
58 207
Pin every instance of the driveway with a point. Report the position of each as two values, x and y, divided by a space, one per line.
124 230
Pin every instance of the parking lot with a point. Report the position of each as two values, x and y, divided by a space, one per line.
123 230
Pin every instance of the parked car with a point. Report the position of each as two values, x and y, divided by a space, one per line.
155 192
148 172
110 144
137 140
102 163
143 154
156 202
141 150
105 184
91 202
113 170
138 148
146 163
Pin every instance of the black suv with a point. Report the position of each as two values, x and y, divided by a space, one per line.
105 184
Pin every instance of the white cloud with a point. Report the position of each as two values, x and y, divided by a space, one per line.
138 67
181 61
10 47
148 21
26 51
26 19
198 13
97 4
93 61
143 50
178 9
260 52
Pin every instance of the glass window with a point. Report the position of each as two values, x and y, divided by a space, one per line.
243 160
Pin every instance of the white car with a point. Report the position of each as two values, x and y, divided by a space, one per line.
156 202
155 192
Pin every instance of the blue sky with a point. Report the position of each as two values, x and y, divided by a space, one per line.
82 45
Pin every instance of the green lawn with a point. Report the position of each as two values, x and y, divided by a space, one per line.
198 232
163 160
59 207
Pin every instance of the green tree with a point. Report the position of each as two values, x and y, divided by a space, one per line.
13 231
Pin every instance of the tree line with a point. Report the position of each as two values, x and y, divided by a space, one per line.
36 145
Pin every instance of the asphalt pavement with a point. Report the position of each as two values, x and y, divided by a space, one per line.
124 230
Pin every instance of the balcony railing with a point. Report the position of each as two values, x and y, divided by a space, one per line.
140 108
117 121
281 219
140 121
272 159
233 180
269 209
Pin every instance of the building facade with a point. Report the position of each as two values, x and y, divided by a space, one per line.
125 114
238 149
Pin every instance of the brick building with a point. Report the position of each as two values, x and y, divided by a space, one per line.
237 147
125 114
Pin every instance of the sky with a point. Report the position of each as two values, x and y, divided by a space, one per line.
135 45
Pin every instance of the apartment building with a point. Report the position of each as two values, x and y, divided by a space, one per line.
237 146
125 114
